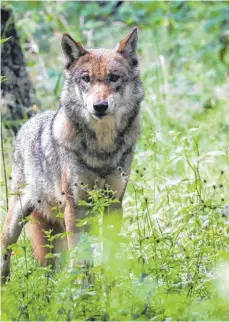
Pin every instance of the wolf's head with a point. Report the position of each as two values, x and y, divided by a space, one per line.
101 82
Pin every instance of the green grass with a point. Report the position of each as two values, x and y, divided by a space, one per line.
171 260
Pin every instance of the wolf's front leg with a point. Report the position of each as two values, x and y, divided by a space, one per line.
73 215
118 185
77 236
70 224
18 209
113 219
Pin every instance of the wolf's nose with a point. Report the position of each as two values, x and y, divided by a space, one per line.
100 106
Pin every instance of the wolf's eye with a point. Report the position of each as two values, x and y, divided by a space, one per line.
86 78
113 78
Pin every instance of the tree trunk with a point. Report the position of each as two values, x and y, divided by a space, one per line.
18 94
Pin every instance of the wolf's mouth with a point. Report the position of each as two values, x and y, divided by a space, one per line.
98 116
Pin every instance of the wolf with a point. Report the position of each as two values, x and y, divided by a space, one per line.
88 139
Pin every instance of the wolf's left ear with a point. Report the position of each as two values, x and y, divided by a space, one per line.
71 49
128 45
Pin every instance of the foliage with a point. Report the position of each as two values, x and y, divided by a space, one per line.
170 261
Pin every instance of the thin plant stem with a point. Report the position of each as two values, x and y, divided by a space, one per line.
4 168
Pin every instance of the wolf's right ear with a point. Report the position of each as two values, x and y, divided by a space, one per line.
71 49
128 45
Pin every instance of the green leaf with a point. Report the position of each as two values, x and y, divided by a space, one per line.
4 40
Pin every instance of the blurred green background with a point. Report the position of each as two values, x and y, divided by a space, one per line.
172 262
183 45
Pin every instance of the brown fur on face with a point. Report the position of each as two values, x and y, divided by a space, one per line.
99 65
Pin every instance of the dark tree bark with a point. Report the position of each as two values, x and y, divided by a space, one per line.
18 94
115 8
116 5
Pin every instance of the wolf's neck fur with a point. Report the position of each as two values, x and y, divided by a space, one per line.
66 132
101 137
105 131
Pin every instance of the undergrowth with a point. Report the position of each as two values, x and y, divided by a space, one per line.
167 262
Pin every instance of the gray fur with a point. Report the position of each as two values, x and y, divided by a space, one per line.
69 143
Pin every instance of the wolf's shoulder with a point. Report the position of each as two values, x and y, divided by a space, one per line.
35 123
39 119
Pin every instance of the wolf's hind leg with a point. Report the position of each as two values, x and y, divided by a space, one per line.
37 226
19 208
